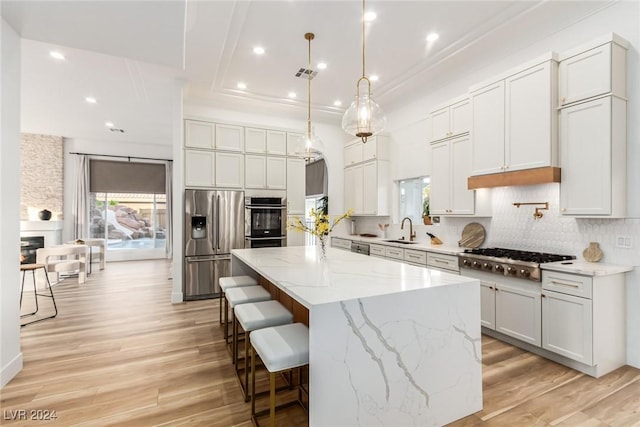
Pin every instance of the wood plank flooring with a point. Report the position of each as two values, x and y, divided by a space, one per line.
120 354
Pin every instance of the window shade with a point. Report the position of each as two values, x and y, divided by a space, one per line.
316 178
126 177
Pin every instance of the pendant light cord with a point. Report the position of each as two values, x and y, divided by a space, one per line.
363 39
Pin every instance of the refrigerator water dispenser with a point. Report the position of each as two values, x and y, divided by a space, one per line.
198 227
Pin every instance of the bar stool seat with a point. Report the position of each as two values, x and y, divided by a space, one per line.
281 348
242 295
33 267
251 317
228 283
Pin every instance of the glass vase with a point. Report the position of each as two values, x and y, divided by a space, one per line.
322 246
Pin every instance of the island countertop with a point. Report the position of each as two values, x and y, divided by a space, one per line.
342 276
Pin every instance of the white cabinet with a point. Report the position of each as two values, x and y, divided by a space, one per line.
514 121
396 254
366 188
443 262
296 179
450 121
518 312
255 140
450 168
593 158
295 144
377 251
294 237
376 148
199 168
229 137
584 319
337 242
265 172
353 153
488 304
593 72
276 143
413 257
229 170
199 134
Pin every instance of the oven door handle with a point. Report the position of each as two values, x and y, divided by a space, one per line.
281 207
265 238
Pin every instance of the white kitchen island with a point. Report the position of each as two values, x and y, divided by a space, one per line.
390 344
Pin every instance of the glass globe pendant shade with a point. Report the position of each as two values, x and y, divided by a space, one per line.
364 117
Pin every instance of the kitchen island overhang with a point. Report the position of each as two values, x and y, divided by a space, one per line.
390 343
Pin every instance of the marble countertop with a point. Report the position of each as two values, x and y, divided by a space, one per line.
342 276
420 246
586 268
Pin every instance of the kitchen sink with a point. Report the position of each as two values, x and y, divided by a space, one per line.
404 242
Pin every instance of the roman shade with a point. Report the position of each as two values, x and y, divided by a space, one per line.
127 177
316 178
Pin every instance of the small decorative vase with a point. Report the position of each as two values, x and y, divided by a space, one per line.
593 253
44 215
322 241
426 220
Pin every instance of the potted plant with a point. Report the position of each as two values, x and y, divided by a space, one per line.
426 219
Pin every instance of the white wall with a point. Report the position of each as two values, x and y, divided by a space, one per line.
10 354
510 227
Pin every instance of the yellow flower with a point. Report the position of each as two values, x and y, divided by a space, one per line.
321 223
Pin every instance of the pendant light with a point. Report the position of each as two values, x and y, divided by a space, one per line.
312 144
364 117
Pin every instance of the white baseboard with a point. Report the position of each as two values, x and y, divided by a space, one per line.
176 298
12 369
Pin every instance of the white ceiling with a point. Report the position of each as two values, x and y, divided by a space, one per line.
129 54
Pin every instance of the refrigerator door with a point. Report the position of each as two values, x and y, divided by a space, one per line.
199 222
202 274
229 212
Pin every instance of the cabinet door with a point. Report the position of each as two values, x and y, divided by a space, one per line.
585 75
199 134
229 138
353 189
567 327
295 238
276 143
461 199
255 175
370 149
296 178
440 128
199 168
353 153
460 118
518 313
487 129
487 305
276 173
255 140
529 129
370 188
229 170
295 144
440 178
585 156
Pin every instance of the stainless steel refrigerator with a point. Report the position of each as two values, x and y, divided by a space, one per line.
214 225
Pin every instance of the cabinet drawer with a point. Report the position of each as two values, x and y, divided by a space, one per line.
447 262
340 243
377 250
570 284
394 253
415 257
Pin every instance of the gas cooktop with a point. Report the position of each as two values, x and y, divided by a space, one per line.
508 262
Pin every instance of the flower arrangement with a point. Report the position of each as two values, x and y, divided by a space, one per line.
322 225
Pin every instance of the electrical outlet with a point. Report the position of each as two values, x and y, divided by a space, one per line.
625 242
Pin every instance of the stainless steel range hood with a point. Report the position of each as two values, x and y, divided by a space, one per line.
521 177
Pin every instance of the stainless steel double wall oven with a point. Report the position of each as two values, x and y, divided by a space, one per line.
265 222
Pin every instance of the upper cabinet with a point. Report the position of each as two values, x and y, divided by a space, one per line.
276 143
229 137
376 148
366 188
452 120
213 169
451 165
598 70
514 125
295 144
265 141
199 134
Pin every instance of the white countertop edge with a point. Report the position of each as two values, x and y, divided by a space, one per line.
420 246
586 268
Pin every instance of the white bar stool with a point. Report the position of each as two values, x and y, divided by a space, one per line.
281 348
242 295
228 283
251 317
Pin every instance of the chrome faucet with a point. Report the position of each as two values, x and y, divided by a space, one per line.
412 234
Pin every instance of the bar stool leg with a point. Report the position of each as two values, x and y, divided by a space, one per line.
253 382
272 399
246 366
55 307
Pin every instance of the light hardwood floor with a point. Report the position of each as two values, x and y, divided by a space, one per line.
120 354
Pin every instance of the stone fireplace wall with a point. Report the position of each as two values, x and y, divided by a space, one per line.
41 175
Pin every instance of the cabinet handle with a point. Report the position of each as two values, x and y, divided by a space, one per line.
564 209
440 261
491 287
569 285
543 296
563 99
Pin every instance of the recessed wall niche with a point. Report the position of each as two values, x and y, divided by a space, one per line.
41 175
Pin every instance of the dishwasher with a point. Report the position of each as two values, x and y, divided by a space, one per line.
361 248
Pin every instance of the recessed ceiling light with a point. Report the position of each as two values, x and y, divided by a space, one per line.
292 95
433 37
91 100
56 55
370 16
258 50
322 65
373 78
241 85
109 124
337 103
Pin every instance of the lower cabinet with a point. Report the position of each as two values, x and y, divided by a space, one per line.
337 242
377 251
518 312
488 304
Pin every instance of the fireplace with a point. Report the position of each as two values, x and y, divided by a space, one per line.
28 247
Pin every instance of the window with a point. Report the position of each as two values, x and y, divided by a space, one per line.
414 197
